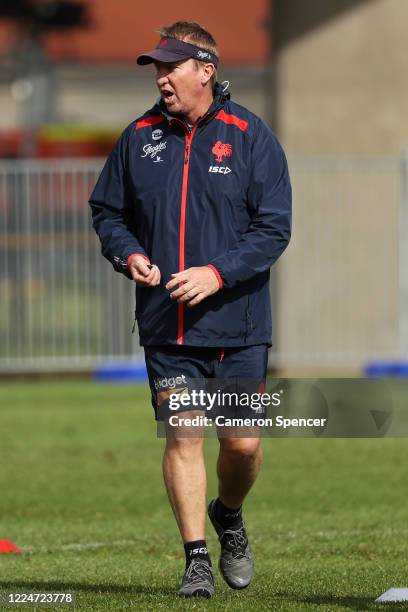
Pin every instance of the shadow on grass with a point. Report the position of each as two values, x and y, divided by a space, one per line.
60 587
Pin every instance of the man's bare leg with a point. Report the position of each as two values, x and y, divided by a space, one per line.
239 462
186 483
238 465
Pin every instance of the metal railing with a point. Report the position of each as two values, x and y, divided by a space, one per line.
62 306
341 292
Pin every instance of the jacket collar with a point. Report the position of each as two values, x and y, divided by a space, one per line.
220 98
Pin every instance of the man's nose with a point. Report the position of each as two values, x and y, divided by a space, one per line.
161 76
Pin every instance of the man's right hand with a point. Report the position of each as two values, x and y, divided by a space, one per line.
141 273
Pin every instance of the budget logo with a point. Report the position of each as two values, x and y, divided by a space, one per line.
220 150
169 382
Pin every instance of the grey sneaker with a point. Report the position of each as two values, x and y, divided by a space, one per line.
236 561
198 580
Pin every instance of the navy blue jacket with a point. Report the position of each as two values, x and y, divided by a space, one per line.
218 194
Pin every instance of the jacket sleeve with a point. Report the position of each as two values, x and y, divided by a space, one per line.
269 202
111 206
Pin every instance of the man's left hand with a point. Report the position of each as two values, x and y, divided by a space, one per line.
194 285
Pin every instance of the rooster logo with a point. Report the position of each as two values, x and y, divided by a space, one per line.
221 150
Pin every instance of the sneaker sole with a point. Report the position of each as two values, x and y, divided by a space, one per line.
232 586
197 593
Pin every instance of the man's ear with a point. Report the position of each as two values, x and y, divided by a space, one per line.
207 73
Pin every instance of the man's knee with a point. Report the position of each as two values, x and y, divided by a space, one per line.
184 446
245 448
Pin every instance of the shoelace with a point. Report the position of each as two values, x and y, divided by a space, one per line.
236 540
198 571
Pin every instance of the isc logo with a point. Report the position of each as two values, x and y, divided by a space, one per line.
197 551
219 169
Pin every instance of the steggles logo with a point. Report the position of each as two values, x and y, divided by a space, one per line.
221 150
152 150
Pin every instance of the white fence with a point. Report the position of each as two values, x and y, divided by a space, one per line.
60 300
340 289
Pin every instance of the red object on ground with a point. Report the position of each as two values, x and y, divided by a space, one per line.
7 546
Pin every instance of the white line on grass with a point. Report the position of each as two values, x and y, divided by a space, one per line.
292 535
78 546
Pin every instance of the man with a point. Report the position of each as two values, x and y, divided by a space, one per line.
194 205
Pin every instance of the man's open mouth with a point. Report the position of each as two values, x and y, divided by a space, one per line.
167 95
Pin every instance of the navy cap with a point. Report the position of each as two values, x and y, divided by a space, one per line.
170 50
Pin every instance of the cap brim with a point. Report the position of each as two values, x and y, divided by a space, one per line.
160 55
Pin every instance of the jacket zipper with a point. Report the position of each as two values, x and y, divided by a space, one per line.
184 188
249 326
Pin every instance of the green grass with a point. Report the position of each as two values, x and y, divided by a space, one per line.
81 464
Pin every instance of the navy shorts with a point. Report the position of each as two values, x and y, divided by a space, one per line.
171 368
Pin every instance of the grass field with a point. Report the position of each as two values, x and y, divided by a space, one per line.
82 494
